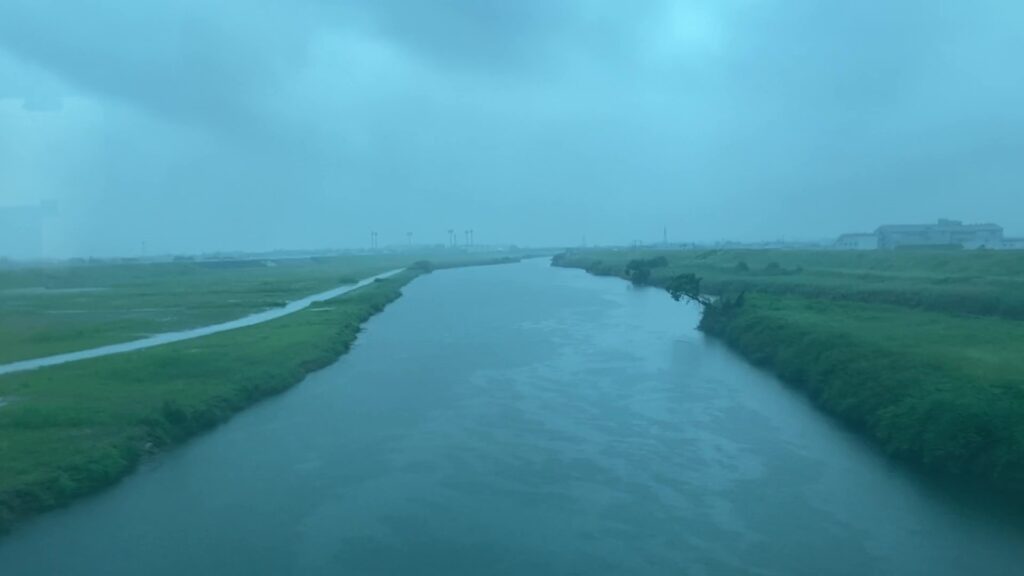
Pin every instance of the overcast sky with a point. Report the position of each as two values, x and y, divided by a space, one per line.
197 125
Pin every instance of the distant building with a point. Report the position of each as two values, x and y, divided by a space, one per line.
943 233
857 242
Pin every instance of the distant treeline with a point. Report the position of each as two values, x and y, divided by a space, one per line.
989 283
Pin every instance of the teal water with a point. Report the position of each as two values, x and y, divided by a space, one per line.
526 420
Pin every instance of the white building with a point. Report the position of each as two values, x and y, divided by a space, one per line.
953 233
944 233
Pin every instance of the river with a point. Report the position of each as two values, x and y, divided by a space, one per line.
524 419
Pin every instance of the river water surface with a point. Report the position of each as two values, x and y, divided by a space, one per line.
525 420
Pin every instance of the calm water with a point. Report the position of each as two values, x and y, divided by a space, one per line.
524 420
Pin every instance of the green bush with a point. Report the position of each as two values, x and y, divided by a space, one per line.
917 409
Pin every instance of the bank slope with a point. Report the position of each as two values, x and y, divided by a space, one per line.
940 389
70 430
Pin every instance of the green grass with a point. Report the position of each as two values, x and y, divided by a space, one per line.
47 310
73 429
974 347
946 392
969 282
922 351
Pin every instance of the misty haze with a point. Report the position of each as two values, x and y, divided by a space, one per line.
511 287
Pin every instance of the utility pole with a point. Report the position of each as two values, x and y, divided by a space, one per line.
466 234
451 238
664 235
408 239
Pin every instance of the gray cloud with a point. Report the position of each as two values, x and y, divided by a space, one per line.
198 125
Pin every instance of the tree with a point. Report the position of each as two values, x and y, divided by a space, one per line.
638 272
639 269
687 286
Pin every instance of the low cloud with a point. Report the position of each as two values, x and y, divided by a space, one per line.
200 126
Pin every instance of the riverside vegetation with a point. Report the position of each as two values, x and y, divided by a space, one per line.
922 351
63 307
73 429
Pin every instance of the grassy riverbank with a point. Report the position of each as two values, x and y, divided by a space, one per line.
70 430
919 350
56 308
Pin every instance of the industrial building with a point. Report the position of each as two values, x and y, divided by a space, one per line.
952 233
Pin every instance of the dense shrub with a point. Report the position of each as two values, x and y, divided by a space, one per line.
919 411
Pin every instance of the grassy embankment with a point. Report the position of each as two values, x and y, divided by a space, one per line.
923 351
51 309
70 430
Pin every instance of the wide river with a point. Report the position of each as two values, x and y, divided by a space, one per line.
526 420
